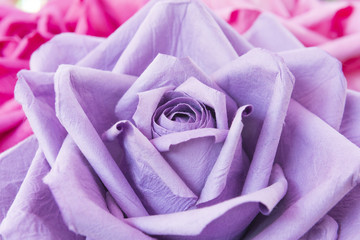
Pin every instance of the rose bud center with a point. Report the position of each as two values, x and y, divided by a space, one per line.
178 112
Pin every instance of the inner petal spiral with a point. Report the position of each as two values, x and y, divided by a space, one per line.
178 112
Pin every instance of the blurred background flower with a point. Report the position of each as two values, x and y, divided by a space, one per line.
21 33
330 25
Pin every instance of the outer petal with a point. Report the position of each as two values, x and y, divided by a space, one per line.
156 183
261 79
113 207
155 35
105 55
350 127
227 176
320 85
12 175
81 198
347 211
123 46
55 52
34 213
35 91
84 121
320 171
268 33
225 220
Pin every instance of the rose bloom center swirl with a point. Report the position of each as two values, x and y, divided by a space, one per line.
179 112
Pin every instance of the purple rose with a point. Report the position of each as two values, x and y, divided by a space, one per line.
176 127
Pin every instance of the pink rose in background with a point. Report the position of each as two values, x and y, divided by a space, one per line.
22 33
330 25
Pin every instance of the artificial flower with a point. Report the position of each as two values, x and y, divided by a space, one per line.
183 131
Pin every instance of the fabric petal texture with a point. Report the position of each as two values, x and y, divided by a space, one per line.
22 33
186 130
89 217
160 188
26 215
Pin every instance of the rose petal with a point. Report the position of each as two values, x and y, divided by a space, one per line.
320 172
163 71
352 78
160 188
328 19
30 211
326 228
268 33
346 53
262 79
208 96
13 125
44 59
238 42
148 102
304 35
227 176
182 113
8 69
350 127
96 93
28 44
113 207
15 135
347 211
35 91
163 143
84 210
317 13
225 220
9 106
320 85
105 55
133 33
11 120
192 154
154 30
347 214
316 83
177 102
12 175
75 87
